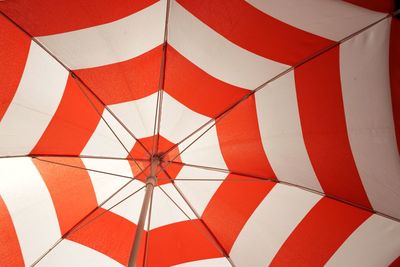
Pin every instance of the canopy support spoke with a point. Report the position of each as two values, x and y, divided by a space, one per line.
208 232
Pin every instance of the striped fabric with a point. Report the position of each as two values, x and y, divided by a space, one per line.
277 122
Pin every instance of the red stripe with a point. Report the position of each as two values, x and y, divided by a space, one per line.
195 88
394 63
10 251
137 172
45 17
232 205
248 27
13 55
72 125
395 263
109 234
317 237
164 144
172 169
386 6
138 151
71 191
178 243
324 128
125 81
240 141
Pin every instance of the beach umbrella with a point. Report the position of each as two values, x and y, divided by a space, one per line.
199 133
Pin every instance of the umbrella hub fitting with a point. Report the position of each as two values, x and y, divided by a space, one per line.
152 180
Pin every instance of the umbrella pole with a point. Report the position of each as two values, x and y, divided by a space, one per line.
150 183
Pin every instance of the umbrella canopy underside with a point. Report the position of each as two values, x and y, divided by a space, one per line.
272 127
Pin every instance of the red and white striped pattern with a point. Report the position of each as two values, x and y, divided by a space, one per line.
304 171
45 200
287 214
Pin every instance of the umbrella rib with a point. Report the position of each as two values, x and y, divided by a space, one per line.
197 166
83 168
102 213
78 156
220 170
176 204
84 218
249 179
71 156
252 178
80 224
155 131
77 78
209 234
44 158
161 81
98 112
223 113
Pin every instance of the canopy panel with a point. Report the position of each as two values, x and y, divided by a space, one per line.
276 124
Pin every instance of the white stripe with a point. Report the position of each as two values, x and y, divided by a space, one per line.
199 193
375 243
216 55
178 121
112 42
30 206
271 224
205 151
69 253
330 19
164 211
138 115
105 185
130 207
217 262
281 134
34 104
103 142
364 68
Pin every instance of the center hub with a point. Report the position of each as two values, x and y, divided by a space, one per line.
166 163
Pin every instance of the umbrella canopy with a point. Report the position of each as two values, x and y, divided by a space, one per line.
199 133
